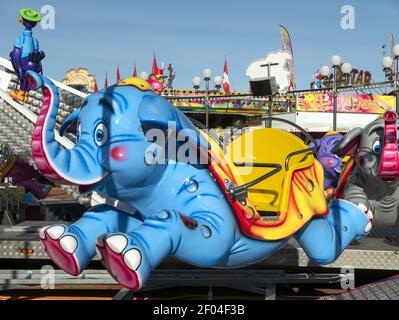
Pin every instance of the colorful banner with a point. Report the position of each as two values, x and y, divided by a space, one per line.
323 102
287 46
232 105
224 106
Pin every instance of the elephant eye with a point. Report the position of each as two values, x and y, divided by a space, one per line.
100 134
377 146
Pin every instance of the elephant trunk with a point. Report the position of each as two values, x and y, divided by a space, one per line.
389 164
78 165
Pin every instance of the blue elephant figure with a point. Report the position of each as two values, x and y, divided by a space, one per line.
180 209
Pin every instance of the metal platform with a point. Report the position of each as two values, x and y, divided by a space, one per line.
255 281
378 251
387 289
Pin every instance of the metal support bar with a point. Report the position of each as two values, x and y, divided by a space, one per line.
124 294
207 103
270 291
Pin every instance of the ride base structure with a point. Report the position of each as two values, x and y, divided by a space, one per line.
20 241
157 217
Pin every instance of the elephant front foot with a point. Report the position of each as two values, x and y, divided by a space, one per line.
61 248
126 264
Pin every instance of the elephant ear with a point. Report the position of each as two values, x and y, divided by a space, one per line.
155 112
71 118
349 144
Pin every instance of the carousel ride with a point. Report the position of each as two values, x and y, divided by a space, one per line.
278 192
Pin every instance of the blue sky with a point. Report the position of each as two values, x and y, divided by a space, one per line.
101 35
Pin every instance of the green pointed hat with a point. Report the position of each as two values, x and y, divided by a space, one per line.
30 15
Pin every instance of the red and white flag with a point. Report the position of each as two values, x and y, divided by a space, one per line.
226 83
135 70
106 80
95 89
118 75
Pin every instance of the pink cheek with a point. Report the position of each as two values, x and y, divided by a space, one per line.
119 153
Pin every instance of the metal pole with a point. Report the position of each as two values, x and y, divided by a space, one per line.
207 103
335 100
396 78
269 121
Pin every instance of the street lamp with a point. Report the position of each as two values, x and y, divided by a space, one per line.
196 83
346 69
207 73
324 71
336 62
387 63
395 52
144 75
218 80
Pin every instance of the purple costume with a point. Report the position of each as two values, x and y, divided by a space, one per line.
331 163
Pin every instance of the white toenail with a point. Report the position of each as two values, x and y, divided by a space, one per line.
362 207
132 259
69 244
117 243
55 232
42 235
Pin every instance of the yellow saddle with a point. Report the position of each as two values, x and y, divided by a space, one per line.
272 181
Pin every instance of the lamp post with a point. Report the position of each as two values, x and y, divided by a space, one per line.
218 80
324 71
346 69
336 62
390 68
395 52
196 83
387 64
207 74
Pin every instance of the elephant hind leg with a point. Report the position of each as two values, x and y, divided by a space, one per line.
324 239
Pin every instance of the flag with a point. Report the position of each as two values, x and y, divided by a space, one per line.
95 86
106 80
226 84
154 65
118 75
287 46
135 70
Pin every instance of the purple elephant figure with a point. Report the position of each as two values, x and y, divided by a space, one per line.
21 174
330 162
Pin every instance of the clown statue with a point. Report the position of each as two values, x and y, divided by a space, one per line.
26 55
